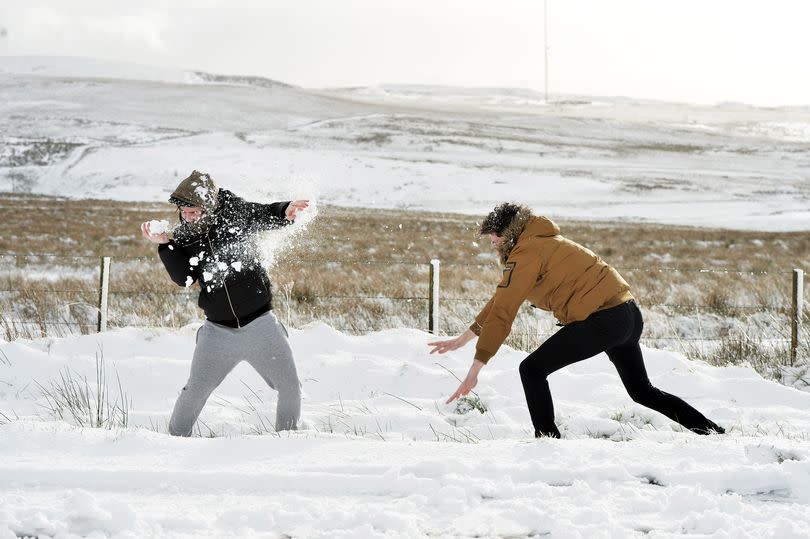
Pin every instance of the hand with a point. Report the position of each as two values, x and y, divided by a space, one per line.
468 383
154 238
452 344
294 207
446 346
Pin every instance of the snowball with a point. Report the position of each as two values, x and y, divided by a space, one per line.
158 227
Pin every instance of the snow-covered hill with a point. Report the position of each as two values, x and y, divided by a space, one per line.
87 128
381 455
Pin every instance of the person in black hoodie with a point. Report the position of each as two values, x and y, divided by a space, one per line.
214 246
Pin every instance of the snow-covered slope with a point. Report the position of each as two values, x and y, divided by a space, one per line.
381 455
84 68
87 129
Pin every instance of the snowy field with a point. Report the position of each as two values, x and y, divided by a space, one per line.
88 128
381 455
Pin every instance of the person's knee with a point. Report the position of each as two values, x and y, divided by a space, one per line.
191 400
196 391
530 368
289 389
643 395
285 380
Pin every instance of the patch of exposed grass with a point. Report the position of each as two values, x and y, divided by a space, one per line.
72 397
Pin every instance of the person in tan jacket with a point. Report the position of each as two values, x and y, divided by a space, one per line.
590 299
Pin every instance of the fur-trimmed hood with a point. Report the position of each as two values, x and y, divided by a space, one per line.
524 221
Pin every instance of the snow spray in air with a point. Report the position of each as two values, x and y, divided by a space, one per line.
272 243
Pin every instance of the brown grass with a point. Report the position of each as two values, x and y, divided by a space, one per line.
366 270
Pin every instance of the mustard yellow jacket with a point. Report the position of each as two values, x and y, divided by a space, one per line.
553 273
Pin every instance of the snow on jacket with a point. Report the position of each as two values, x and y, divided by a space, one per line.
222 257
552 272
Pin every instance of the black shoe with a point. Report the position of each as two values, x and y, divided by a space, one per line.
713 428
553 434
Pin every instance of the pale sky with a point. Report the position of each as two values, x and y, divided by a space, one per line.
702 51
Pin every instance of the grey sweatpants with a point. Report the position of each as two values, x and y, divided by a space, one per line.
262 343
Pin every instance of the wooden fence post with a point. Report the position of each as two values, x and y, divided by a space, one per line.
796 315
433 297
103 293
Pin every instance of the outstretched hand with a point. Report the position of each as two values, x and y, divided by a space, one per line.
469 382
294 207
452 344
445 346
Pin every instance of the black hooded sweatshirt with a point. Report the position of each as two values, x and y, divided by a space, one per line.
234 286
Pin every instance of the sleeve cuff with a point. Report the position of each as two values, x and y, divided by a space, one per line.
483 356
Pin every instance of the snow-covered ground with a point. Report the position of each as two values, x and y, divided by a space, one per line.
381 455
88 128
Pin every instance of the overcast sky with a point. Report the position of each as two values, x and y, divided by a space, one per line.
685 50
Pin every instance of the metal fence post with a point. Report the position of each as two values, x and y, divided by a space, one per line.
796 318
103 293
433 298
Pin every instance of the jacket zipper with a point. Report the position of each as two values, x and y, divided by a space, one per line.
225 286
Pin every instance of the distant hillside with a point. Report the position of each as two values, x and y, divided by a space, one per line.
240 79
91 128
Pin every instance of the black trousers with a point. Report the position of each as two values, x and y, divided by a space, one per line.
615 331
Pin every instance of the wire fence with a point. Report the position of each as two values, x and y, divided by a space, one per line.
54 295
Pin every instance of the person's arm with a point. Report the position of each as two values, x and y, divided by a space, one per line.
478 323
175 259
495 320
469 382
273 215
178 264
472 332
265 216
520 275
